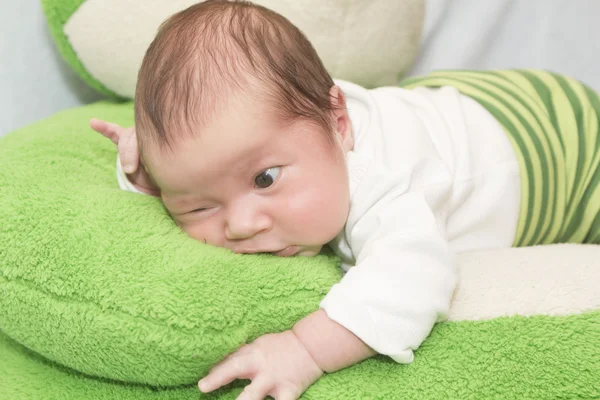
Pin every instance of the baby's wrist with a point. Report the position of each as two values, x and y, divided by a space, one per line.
330 345
305 336
309 355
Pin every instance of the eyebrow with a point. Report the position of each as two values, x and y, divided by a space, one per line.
250 159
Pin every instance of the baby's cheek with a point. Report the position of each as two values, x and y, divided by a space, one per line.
202 232
317 215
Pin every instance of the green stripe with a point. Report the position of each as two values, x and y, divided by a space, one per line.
567 126
577 187
580 223
562 192
545 95
582 218
542 191
594 233
518 142
524 89
552 122
557 189
512 122
538 125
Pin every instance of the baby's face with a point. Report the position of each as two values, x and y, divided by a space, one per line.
252 185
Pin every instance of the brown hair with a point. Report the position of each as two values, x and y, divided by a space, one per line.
209 51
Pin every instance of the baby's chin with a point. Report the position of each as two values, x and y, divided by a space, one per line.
292 251
309 252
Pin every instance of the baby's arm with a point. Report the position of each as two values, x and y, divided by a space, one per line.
283 365
403 279
330 345
400 286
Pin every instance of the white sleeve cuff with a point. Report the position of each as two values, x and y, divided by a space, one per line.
358 319
124 183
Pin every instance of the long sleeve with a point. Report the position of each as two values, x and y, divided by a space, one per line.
124 183
404 275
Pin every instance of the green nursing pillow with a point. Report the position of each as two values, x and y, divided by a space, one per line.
102 280
105 40
103 297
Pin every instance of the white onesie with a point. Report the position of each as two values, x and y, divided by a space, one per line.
432 173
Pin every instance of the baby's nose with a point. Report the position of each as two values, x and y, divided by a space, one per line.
246 224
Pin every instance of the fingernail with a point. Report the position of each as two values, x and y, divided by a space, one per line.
202 386
128 169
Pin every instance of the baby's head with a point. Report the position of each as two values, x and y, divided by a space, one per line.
243 130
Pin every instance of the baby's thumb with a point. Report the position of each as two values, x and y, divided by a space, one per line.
129 153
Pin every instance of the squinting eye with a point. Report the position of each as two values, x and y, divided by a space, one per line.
200 210
266 178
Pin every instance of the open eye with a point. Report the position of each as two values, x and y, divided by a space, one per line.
267 177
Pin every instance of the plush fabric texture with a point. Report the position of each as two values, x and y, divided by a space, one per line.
101 280
103 297
369 43
557 280
507 358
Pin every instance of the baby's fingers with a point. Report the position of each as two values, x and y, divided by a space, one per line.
286 394
106 129
232 368
129 154
257 390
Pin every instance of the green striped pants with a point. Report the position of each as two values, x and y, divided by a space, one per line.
552 122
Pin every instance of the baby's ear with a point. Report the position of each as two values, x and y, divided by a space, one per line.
336 97
342 124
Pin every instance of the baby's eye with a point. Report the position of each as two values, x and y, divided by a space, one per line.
200 210
267 177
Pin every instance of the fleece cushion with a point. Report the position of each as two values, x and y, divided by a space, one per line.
103 297
102 281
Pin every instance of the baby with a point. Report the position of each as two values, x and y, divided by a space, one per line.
252 146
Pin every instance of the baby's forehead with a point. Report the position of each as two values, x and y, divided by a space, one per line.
236 134
204 57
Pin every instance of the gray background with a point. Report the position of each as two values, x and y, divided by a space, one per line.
561 35
34 80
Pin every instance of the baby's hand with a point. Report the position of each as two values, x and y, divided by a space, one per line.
129 154
277 364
